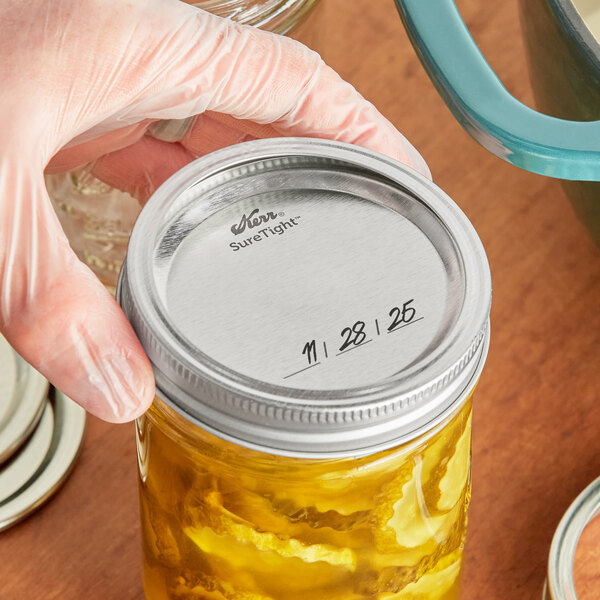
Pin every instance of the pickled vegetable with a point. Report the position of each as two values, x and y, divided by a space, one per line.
222 522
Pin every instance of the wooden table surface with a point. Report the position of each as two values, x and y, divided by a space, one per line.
537 410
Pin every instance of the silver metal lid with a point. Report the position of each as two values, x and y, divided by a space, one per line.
23 393
18 471
306 297
36 472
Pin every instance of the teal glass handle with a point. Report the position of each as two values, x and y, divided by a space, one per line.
482 105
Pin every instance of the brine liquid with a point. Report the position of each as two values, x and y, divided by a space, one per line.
221 522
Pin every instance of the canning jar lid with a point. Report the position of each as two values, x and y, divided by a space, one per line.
308 298
23 393
38 470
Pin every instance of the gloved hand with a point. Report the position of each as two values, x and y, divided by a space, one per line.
82 80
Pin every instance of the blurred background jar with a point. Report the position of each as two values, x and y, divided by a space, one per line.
573 566
98 218
279 16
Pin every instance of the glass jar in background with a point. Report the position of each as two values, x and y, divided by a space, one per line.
278 16
572 571
316 316
97 218
586 565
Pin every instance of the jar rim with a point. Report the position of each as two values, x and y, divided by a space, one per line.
278 16
560 583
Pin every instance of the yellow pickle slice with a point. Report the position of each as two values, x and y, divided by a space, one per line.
223 522
456 478
403 519
437 584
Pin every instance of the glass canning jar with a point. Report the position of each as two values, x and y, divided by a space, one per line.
279 16
98 218
560 581
317 319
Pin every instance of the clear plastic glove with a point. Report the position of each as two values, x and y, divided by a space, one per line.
82 80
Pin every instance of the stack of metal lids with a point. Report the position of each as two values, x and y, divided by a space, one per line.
40 436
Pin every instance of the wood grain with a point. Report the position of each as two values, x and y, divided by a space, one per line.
537 409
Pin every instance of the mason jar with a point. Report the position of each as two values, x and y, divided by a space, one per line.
97 218
316 315
561 581
278 16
